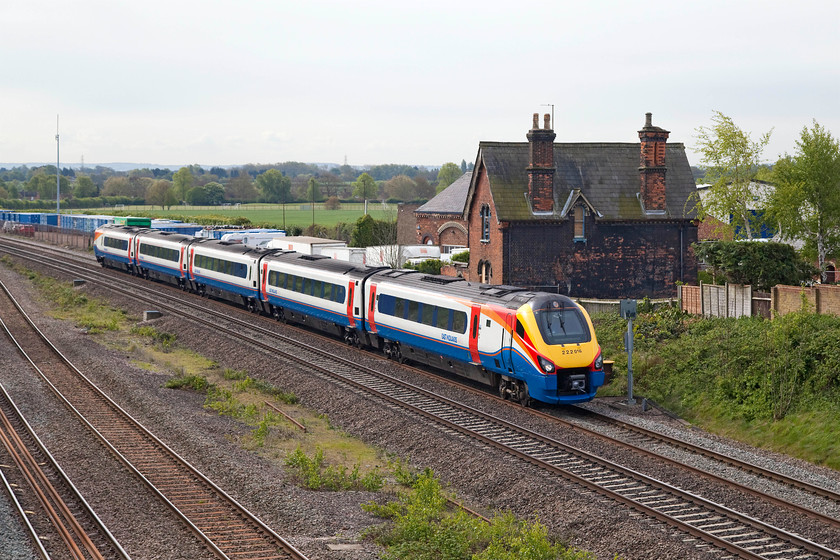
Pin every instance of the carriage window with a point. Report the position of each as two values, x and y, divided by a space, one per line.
114 243
413 309
444 316
459 322
428 314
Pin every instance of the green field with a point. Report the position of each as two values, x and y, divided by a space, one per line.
267 215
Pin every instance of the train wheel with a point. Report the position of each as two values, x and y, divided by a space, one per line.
521 394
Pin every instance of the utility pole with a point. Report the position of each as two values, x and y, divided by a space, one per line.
57 172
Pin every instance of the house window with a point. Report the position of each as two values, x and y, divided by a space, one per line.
580 230
485 272
485 223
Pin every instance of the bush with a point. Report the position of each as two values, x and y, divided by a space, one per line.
424 527
315 474
463 256
762 265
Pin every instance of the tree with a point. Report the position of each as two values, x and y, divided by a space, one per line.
197 196
313 190
401 187
332 203
732 160
84 187
160 193
182 181
214 192
116 186
274 186
448 174
424 189
762 265
806 199
364 187
241 189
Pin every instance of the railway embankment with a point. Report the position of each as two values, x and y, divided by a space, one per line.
769 383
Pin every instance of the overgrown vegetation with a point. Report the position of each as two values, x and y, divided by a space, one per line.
315 474
762 265
429 266
425 526
67 302
771 383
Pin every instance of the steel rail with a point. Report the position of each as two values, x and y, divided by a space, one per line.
811 546
225 549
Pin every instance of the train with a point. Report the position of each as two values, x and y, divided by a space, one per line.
528 345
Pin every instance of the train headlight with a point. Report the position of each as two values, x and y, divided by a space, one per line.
599 361
546 365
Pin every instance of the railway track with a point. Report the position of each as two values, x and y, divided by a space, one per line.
722 527
58 519
227 528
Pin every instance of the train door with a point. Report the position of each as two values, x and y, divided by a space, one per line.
475 317
507 341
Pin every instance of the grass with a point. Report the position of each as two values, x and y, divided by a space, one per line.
322 458
772 384
424 525
268 215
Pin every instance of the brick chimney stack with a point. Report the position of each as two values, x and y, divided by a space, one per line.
541 165
652 166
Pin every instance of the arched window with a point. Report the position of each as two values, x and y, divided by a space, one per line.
485 271
830 274
580 229
485 223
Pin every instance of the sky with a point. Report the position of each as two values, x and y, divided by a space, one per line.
373 82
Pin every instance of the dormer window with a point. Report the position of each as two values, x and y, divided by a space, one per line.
485 223
580 223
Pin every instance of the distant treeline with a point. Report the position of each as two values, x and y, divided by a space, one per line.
287 182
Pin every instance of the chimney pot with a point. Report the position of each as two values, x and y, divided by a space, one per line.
648 120
547 121
536 121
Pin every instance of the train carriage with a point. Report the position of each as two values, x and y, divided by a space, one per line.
315 290
528 344
225 270
114 246
163 256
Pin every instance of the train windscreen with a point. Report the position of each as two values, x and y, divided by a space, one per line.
560 324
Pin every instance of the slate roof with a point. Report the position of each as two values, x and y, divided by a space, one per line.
607 175
451 200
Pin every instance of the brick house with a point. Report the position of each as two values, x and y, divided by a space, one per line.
599 220
442 221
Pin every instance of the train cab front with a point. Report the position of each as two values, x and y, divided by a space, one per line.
565 350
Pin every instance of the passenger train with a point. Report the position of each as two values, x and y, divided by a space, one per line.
526 344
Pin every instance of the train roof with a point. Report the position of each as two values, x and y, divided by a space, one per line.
322 262
229 247
507 296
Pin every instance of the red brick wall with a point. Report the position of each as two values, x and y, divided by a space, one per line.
652 166
484 250
407 224
431 223
541 166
